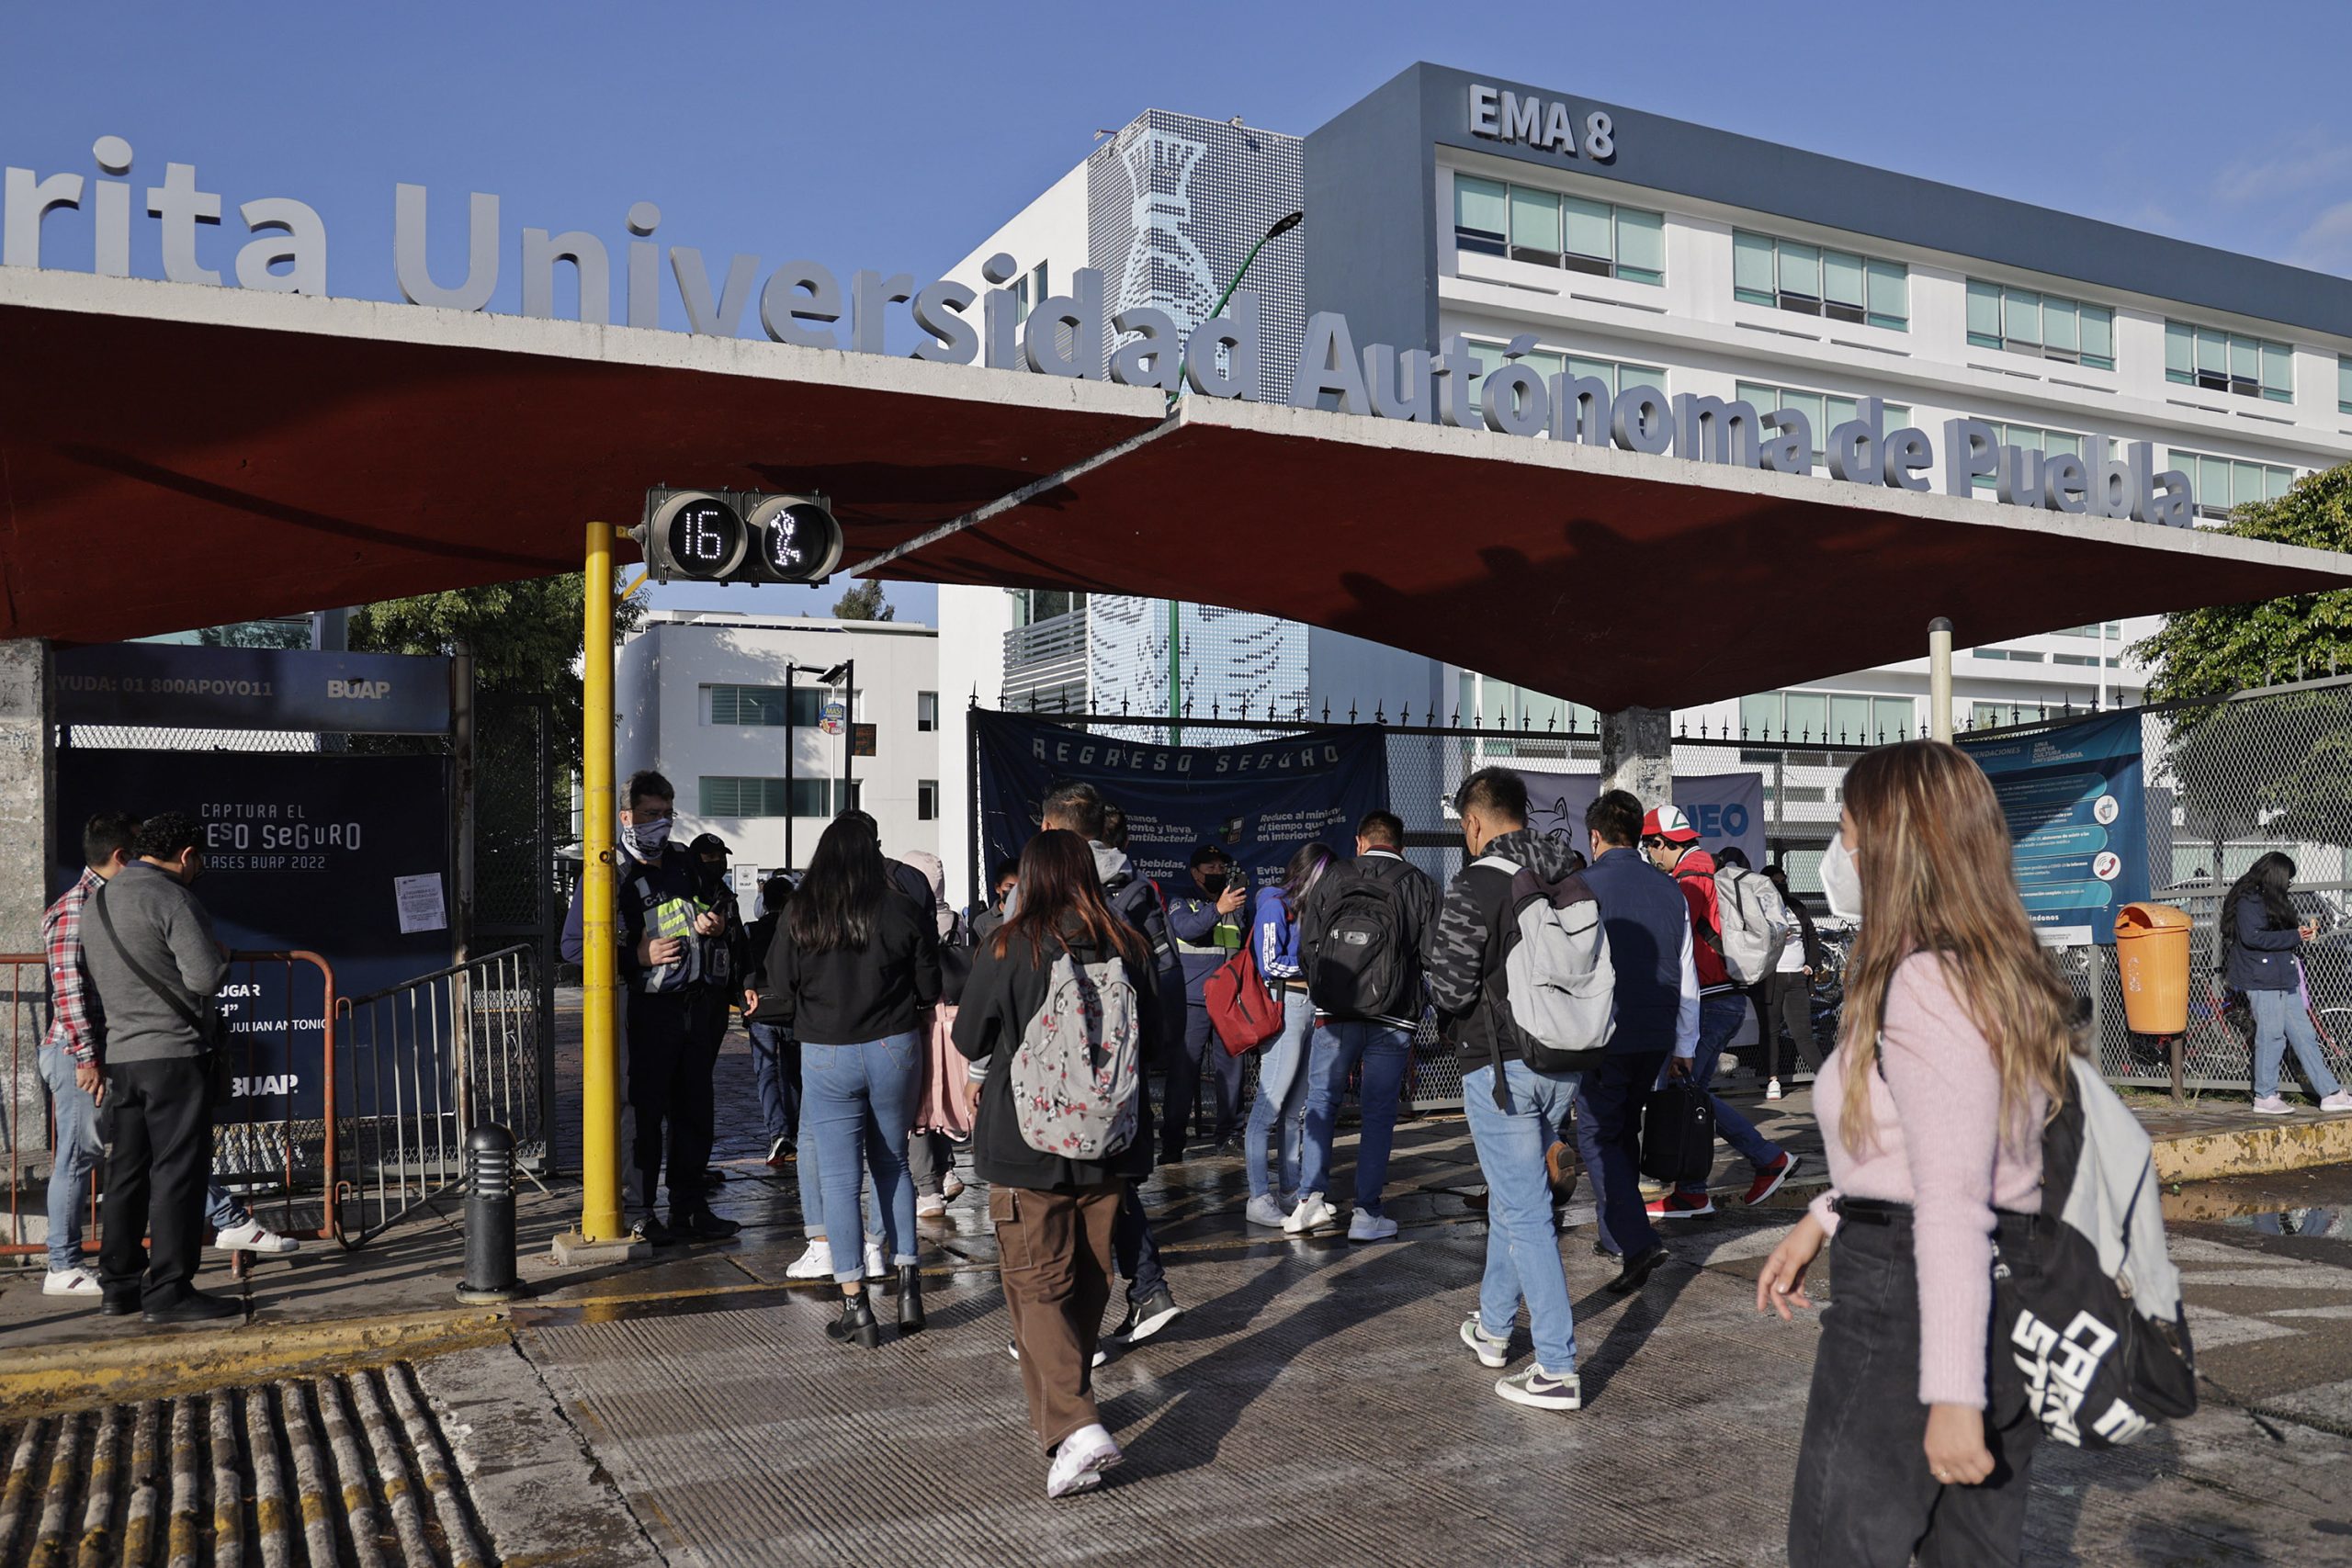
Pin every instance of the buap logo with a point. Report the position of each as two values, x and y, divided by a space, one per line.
362 690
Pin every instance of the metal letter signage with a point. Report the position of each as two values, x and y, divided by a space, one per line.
1503 114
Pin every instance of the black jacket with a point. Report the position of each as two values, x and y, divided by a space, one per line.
848 995
1000 999
1415 890
1465 944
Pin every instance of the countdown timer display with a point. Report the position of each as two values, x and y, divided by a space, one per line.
703 536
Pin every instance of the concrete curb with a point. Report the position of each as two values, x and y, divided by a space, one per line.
158 1365
2293 1142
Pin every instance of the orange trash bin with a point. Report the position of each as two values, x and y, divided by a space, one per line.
2152 953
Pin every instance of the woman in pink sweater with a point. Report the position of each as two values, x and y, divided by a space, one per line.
1954 1041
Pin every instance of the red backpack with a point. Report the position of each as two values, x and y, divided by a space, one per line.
1245 1013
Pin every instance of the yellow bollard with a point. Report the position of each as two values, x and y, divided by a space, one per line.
600 1115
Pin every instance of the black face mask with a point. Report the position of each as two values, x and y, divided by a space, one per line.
1213 884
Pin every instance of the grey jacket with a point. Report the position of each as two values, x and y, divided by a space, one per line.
167 931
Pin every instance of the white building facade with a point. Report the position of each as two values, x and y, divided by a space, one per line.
736 711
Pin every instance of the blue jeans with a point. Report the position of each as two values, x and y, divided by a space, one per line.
865 1095
1719 1017
1522 1252
775 1077
809 1172
1281 1100
1609 1136
1387 1053
79 1151
2279 1021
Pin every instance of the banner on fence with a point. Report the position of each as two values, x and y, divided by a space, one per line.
301 851
2079 822
1258 802
1726 808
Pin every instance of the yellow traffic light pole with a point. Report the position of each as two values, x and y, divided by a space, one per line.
600 1135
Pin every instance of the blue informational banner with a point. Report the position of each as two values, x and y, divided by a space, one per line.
1258 803
2079 822
303 850
182 686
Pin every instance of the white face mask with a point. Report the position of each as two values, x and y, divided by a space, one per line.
1841 880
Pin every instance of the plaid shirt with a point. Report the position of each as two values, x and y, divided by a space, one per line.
74 1022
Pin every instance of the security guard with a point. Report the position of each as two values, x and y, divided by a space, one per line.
1206 924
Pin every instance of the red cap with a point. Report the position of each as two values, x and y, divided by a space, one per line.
1670 824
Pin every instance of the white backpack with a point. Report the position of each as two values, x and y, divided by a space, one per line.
1554 995
1077 1073
1756 923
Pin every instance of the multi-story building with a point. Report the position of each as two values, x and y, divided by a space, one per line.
1445 211
738 711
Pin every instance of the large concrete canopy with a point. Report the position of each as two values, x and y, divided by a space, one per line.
175 456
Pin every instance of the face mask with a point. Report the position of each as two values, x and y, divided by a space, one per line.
1214 885
644 840
1841 880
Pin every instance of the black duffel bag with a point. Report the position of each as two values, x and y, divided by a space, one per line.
1679 1133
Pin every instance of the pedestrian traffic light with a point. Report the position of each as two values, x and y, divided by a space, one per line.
722 535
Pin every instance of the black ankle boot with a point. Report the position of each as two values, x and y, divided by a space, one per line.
910 1299
857 1322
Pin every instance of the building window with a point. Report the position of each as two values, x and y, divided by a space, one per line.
2344 383
2224 484
927 800
1530 224
2033 437
1031 606
762 707
1994 715
1028 292
2014 655
1825 715
2217 361
1814 281
926 711
745 797
1823 410
2025 321
1550 362
2113 629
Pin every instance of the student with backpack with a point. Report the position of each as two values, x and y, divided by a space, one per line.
853 965
1737 940
1280 1105
1519 971
1360 946
1059 1020
1956 1043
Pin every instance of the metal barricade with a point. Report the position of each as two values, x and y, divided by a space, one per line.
280 1164
423 1064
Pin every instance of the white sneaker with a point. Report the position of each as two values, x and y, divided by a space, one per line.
1490 1351
876 1268
1079 1462
1533 1386
951 1186
1264 1210
1312 1213
1369 1226
816 1263
2271 1105
2339 1100
931 1206
74 1282
254 1237
1772 1089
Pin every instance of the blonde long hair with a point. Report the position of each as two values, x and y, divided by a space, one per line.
1934 853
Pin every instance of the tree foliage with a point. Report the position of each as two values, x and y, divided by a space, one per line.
863 602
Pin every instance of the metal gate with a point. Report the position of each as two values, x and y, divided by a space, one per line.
519 798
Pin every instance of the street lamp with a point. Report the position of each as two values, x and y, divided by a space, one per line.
1282 226
845 675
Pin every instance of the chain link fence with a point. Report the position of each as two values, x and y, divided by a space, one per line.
2226 779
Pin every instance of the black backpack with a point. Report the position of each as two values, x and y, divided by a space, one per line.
1363 955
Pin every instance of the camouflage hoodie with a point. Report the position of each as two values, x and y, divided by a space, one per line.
1466 941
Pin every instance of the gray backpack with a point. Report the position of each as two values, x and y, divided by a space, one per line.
1554 996
1756 923
1077 1073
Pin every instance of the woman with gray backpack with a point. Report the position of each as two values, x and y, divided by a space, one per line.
1058 1021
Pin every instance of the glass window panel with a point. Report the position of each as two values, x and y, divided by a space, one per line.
1760 715
1641 376
1479 204
2098 333
1892 717
1765 398
2277 482
2343 384
1890 289
2059 324
1985 312
1588 227
1800 269
1841 277
1535 218
1751 262
1544 363
2213 481
2021 315
1898 415
1600 368
2245 359
1809 715
1811 405
2247 483
1640 240
1849 717
2212 352
2054 441
2278 368
1835 411
2180 350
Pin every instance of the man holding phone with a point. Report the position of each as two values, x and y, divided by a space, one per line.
1207 925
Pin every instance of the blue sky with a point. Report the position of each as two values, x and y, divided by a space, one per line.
898 136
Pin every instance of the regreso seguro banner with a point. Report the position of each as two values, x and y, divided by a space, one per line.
1258 803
